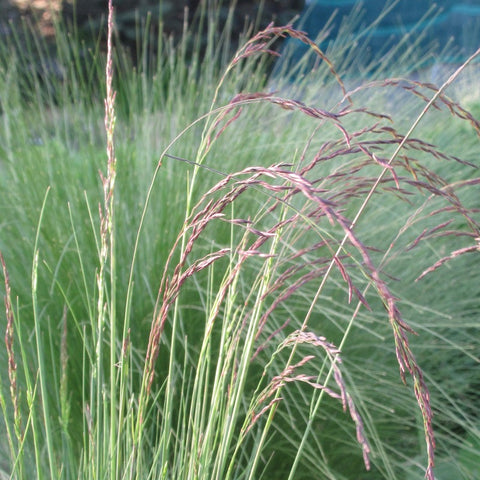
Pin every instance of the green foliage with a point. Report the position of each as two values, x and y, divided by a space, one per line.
245 265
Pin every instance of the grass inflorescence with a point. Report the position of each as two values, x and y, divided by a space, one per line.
246 288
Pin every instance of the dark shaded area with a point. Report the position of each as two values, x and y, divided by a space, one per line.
88 16
174 13
174 16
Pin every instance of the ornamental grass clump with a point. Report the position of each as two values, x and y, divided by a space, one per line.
279 310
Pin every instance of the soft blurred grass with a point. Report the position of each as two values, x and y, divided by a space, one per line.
52 137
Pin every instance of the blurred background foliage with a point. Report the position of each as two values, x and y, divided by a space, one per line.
89 16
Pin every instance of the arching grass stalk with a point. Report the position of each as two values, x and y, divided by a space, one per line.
405 357
213 129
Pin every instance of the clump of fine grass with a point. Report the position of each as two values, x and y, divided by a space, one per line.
281 299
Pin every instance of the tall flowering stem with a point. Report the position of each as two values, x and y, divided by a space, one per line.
106 315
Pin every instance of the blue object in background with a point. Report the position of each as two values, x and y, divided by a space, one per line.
454 23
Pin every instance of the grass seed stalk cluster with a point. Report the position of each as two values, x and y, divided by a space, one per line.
237 306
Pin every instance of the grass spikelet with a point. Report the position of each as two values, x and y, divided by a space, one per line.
12 372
